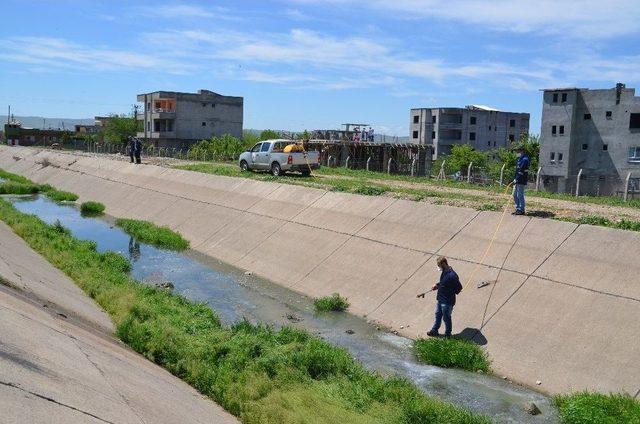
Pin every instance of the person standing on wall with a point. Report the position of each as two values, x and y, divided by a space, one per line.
520 180
448 287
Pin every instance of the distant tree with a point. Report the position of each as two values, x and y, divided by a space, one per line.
119 127
304 135
249 138
269 135
463 154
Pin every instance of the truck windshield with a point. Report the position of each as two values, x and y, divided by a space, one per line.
256 148
265 147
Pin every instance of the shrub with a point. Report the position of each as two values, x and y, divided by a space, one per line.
91 208
596 408
450 352
148 232
335 302
62 196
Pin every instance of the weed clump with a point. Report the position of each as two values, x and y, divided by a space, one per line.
13 187
91 208
370 190
335 302
448 352
597 408
62 196
148 232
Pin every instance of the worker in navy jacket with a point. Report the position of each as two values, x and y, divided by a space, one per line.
520 181
448 287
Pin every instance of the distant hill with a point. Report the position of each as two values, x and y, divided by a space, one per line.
44 122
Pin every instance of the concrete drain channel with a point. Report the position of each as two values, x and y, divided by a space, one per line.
236 295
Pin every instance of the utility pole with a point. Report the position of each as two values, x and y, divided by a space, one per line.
9 115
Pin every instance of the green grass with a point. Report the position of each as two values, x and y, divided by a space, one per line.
335 302
91 208
257 373
148 232
449 352
61 196
623 224
596 408
14 177
13 187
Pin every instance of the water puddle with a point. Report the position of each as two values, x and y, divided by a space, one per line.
234 295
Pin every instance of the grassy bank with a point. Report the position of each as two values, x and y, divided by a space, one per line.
148 232
259 374
596 408
449 352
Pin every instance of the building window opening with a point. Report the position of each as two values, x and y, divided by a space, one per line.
564 97
472 120
512 137
416 119
472 136
512 123
555 97
489 127
433 119
204 124
587 116
489 143
634 154
433 135
552 156
553 130
559 157
415 134
561 129
605 147
634 121
608 114
585 146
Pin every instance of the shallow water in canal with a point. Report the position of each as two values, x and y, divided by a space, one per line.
234 296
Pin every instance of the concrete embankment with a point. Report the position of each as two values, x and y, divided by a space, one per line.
563 302
59 362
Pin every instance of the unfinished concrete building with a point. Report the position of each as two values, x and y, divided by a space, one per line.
481 127
596 131
177 120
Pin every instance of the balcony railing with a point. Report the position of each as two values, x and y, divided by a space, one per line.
163 110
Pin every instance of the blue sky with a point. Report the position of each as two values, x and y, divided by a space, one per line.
310 64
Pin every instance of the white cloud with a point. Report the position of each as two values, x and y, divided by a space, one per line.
57 53
579 18
178 11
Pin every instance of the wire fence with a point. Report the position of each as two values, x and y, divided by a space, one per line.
414 162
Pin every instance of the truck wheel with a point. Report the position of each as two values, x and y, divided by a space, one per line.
275 169
305 173
244 166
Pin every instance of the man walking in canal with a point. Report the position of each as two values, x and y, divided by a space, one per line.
520 181
448 287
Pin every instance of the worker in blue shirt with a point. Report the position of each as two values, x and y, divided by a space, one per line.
520 180
448 287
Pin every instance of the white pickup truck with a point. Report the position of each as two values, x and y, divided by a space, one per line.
269 156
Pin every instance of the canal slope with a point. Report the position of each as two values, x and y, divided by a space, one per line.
59 362
560 308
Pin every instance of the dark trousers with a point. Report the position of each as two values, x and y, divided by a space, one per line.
137 152
131 155
443 312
